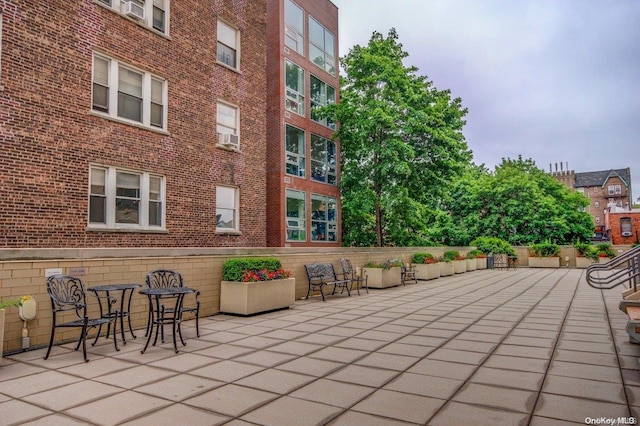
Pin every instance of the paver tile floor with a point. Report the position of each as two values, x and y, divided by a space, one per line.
521 347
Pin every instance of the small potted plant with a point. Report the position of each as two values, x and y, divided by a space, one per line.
426 265
544 255
470 260
586 254
384 274
253 285
4 304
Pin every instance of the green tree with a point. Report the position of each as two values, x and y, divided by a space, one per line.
401 144
521 204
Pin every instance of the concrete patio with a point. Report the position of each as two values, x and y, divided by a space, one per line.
523 347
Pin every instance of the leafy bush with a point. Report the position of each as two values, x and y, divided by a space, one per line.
586 250
605 250
234 269
493 245
474 254
451 255
387 264
547 249
423 258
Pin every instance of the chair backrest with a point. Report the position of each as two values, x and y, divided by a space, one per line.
164 278
67 293
347 268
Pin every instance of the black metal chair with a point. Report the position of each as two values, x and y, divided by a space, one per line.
408 274
165 278
350 274
68 299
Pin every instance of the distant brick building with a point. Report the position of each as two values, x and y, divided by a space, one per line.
622 225
133 123
303 162
602 188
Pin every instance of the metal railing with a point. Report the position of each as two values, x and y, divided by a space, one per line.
623 269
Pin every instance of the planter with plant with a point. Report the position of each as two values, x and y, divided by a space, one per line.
470 260
253 285
384 274
459 262
426 265
605 251
480 258
446 264
586 254
4 304
544 255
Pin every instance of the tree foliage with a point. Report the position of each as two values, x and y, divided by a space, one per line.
401 145
518 203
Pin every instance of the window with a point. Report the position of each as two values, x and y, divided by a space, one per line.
129 94
228 45
615 189
321 47
295 145
226 208
321 94
228 124
294 26
294 82
154 13
323 160
597 203
597 219
125 199
323 218
296 208
625 226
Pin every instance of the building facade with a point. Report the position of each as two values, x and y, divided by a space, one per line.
133 123
622 225
303 196
603 188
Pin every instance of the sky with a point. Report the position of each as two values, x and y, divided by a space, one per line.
557 81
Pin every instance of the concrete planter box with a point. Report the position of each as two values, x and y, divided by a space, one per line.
544 262
427 271
583 262
471 265
481 263
383 278
446 269
1 333
460 266
254 297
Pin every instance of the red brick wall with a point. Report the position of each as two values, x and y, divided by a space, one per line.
326 13
615 232
49 137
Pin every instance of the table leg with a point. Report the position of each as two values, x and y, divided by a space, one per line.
150 325
129 313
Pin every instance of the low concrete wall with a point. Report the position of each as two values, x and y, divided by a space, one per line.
22 272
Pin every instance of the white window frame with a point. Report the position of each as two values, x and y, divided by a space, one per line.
321 101
222 129
329 169
112 96
296 159
148 6
293 96
293 37
297 224
110 174
328 58
330 225
236 47
234 208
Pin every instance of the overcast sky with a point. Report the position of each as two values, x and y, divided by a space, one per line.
557 81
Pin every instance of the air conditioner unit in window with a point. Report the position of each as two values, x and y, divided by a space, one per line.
132 9
228 140
626 234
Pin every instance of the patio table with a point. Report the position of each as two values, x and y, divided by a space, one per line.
159 315
104 293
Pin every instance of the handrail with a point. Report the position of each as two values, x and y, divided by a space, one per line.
625 270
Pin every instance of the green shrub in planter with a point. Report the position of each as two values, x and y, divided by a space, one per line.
474 254
450 255
233 269
493 245
605 250
547 249
423 258
586 250
386 265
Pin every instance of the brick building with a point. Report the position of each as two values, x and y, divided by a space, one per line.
303 162
602 188
622 225
133 123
